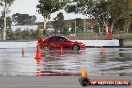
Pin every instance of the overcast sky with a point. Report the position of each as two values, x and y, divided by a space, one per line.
29 7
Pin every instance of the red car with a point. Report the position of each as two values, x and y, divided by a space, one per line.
58 43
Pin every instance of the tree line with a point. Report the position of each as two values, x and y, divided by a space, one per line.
114 14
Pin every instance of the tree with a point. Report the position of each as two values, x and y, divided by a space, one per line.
6 4
23 19
8 22
59 22
46 7
35 34
93 8
130 6
79 24
18 33
106 12
120 14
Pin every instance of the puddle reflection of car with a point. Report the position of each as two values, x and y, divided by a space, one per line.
58 43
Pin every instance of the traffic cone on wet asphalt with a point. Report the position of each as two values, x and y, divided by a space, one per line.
38 53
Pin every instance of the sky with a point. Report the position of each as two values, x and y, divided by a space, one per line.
29 7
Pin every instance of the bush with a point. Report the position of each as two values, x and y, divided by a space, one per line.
66 31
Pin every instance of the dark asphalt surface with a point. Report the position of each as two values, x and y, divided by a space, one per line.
51 82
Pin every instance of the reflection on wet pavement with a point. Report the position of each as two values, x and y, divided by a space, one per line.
113 61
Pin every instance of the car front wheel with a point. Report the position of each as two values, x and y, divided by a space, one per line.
46 48
75 48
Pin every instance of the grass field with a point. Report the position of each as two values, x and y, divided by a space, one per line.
94 36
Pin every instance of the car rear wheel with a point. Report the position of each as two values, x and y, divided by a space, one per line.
46 48
75 48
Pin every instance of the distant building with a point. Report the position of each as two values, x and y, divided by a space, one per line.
89 24
49 25
24 27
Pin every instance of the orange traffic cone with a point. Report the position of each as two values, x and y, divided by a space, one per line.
38 53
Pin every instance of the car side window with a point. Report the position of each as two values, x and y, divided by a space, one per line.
53 39
57 39
62 39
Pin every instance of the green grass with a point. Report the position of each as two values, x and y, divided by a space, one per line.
94 36
87 36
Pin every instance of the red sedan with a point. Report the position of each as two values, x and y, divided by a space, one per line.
59 42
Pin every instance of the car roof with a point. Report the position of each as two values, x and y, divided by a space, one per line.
57 36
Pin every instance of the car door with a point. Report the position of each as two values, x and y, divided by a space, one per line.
54 42
63 43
